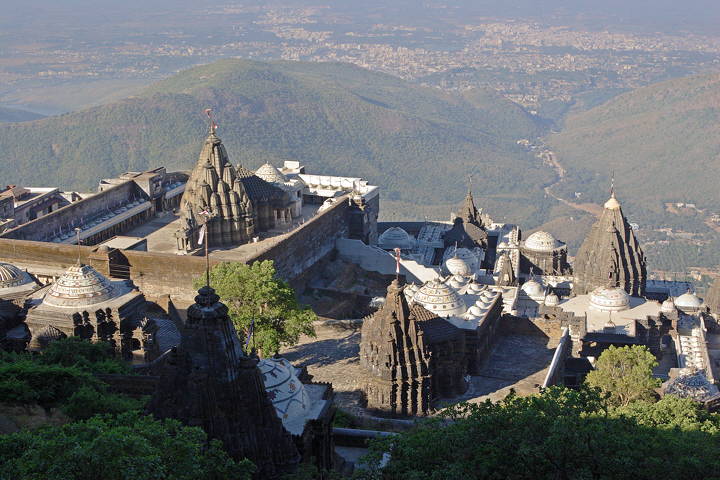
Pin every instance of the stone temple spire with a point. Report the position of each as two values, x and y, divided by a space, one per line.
394 355
610 254
469 212
212 188
207 381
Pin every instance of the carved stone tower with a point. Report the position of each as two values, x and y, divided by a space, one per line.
207 381
395 359
610 255
215 193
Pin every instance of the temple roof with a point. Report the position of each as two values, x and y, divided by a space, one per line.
610 255
80 286
542 242
270 174
11 276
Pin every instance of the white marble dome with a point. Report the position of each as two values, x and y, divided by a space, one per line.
440 299
542 242
552 300
395 237
470 258
11 276
270 174
287 394
457 266
79 286
533 289
688 300
668 306
609 299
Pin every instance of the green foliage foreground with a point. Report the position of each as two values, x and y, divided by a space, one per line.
625 374
255 295
63 376
129 446
558 434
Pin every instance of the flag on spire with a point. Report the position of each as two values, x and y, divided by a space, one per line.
397 263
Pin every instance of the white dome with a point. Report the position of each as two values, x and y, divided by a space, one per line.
542 242
457 266
609 299
552 300
533 289
270 174
395 237
688 300
11 276
471 259
287 393
668 306
440 299
79 286
475 310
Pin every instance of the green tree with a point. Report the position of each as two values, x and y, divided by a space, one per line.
255 296
557 434
625 374
117 448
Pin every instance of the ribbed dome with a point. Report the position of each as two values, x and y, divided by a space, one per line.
11 276
395 237
270 174
457 266
533 289
79 286
286 392
609 299
440 299
688 300
542 242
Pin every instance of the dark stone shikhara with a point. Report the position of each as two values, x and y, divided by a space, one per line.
468 230
411 357
207 381
610 255
235 203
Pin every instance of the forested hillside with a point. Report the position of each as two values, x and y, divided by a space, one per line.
15 115
662 142
419 143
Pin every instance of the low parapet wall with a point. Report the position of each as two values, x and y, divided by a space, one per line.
156 274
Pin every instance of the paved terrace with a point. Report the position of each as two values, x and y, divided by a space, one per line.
160 235
519 362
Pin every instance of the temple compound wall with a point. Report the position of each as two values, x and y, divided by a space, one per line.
156 274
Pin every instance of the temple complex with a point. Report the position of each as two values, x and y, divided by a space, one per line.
610 253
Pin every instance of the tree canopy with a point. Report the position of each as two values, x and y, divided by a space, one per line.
557 434
257 299
120 447
625 374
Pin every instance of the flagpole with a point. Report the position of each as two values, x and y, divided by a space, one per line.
207 264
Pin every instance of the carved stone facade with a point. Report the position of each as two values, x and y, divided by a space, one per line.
208 381
215 194
411 357
610 255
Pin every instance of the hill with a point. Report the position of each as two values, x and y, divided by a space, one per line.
15 115
662 141
419 143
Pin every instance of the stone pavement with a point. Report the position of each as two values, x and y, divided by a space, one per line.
516 361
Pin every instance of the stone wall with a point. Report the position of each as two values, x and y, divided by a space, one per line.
64 218
296 255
